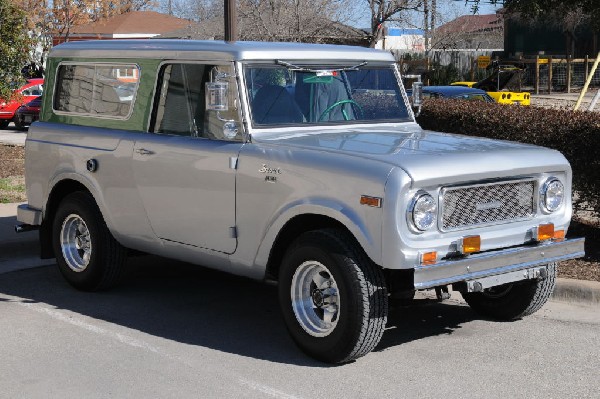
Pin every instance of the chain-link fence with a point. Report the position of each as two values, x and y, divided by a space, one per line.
540 75
443 66
545 75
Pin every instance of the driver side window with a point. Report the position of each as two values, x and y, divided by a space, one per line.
180 105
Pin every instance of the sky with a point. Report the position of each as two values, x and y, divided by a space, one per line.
449 9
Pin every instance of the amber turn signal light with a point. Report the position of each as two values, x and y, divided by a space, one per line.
559 235
428 258
545 232
471 244
370 201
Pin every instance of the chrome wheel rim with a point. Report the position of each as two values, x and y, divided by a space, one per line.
315 299
75 243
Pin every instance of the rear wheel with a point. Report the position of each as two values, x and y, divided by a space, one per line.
4 123
333 298
18 124
87 255
515 300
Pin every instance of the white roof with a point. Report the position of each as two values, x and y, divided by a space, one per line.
216 50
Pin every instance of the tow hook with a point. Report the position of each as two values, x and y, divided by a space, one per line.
442 292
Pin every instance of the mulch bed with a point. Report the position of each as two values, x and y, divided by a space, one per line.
587 268
12 161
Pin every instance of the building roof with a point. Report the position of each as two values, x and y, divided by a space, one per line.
149 23
401 32
472 24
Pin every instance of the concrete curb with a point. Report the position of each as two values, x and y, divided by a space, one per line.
580 291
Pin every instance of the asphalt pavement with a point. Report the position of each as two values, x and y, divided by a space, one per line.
174 330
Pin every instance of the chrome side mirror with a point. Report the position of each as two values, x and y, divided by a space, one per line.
217 96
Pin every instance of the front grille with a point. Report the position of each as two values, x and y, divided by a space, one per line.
486 204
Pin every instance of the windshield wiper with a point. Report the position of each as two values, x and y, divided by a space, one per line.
293 67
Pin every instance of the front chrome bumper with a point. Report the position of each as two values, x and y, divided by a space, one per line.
497 263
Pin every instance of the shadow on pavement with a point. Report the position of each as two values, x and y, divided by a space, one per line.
198 306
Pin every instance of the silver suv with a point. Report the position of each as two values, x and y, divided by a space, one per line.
290 162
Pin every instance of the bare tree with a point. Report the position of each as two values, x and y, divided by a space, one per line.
38 22
194 10
383 11
290 20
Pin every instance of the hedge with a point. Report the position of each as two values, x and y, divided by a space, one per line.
574 133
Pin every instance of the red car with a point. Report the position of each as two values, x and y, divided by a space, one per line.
30 90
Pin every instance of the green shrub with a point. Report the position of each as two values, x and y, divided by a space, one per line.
441 75
574 133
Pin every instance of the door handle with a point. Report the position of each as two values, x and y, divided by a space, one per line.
143 151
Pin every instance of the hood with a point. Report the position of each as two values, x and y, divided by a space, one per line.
428 156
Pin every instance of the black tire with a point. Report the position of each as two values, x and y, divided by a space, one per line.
515 300
361 296
18 124
104 265
4 123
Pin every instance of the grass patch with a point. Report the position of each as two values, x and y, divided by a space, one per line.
12 189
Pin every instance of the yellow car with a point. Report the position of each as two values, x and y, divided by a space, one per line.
496 86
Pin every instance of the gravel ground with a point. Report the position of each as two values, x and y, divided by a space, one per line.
12 170
564 101
12 161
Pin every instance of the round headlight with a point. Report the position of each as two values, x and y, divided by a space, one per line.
553 194
423 211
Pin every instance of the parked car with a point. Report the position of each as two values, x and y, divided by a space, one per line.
458 92
28 113
299 163
24 94
502 85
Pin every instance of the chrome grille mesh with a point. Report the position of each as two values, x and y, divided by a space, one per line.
487 204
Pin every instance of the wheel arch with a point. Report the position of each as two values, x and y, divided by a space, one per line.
293 228
59 191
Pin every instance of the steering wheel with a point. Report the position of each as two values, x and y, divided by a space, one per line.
341 103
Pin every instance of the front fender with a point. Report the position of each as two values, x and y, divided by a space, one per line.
366 228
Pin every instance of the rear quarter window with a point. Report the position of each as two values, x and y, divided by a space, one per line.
98 90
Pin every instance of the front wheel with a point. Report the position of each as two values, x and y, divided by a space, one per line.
333 298
514 300
88 256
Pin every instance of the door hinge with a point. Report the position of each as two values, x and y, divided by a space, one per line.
233 161
233 233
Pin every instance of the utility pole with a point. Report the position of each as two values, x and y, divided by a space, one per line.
426 24
433 11
230 21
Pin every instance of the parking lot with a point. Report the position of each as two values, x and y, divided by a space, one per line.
176 330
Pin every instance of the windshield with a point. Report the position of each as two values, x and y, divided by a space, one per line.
291 95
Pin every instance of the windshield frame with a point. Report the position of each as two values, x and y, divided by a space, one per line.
252 126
